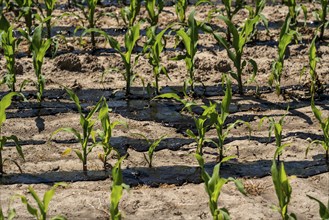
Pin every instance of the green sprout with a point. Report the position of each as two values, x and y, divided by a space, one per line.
40 213
323 210
87 124
116 190
286 36
282 187
180 8
4 104
131 38
324 123
8 43
240 38
213 186
105 134
277 127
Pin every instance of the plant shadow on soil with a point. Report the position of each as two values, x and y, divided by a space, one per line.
167 112
177 175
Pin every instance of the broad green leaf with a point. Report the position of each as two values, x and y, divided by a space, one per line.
4 104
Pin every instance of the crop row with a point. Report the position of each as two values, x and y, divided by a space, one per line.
187 29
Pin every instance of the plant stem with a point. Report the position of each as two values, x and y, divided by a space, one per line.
128 79
240 84
1 164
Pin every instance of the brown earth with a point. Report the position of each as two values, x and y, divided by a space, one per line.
172 189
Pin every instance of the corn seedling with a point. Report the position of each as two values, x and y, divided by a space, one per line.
219 120
277 128
213 186
152 145
4 104
200 122
315 82
40 213
323 209
282 187
190 41
87 124
50 6
180 8
89 15
117 190
240 38
154 8
286 36
321 15
11 212
129 14
154 48
294 11
257 12
25 8
105 134
324 123
229 12
9 43
131 38
39 47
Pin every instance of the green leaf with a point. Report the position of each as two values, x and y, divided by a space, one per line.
74 98
323 210
37 199
4 104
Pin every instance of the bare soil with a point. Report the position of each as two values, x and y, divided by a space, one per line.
172 189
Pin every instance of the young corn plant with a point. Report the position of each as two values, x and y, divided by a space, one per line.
39 47
316 86
323 209
131 38
257 11
201 122
190 41
116 190
277 128
89 15
282 187
11 214
219 120
286 36
87 125
40 213
293 11
202 125
240 38
213 186
321 16
50 6
152 145
129 14
324 123
180 8
154 8
4 104
229 12
25 8
154 48
8 43
105 134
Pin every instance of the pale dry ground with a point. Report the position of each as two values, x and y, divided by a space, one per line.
155 198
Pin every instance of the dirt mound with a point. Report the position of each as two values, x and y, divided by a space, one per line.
69 62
